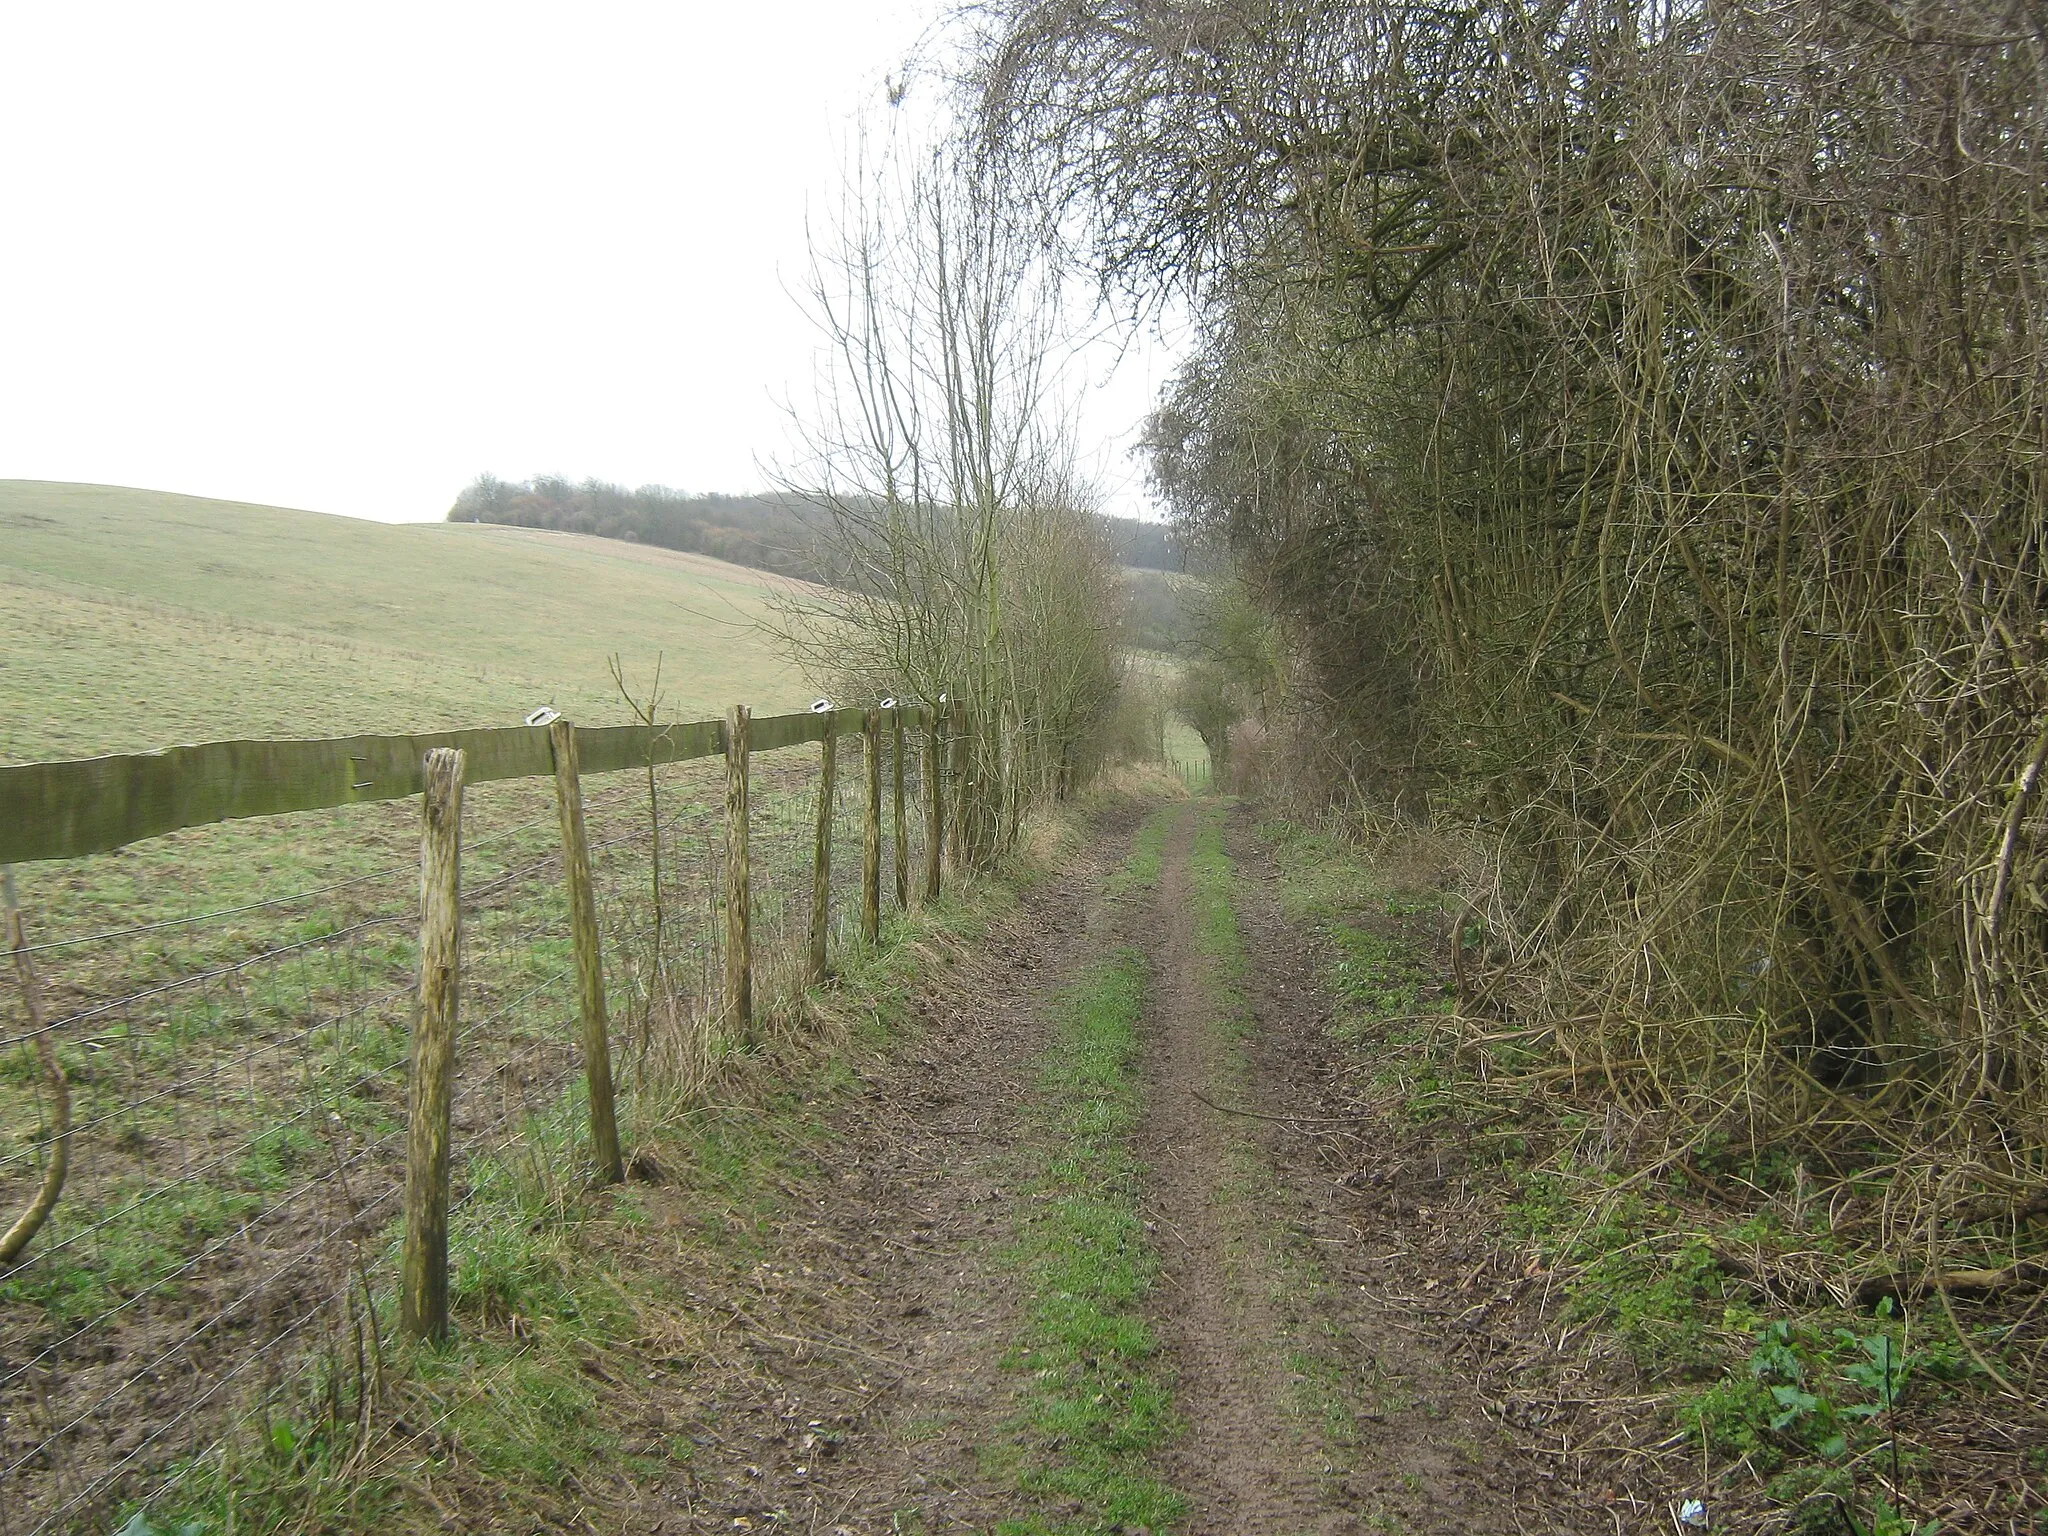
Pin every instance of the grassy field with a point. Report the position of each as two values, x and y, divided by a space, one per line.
232 1003
138 619
141 619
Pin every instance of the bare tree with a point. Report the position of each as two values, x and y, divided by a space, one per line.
961 550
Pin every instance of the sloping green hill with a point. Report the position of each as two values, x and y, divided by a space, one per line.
134 619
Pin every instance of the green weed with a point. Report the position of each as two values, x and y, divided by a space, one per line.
1092 1412
1148 849
1383 977
1801 1401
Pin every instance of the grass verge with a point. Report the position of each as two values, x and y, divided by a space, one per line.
1093 1410
1779 1412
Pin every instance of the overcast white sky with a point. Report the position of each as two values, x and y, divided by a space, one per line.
348 257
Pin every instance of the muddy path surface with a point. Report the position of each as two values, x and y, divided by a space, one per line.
1422 1453
1311 1401
864 1387
1244 1462
860 1386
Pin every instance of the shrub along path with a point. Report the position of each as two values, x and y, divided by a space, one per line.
1055 1271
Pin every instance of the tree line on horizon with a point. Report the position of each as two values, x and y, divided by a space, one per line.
778 533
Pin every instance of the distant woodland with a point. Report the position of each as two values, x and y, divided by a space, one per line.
771 533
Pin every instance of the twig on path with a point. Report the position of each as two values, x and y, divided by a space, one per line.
832 1346
1254 1114
841 1346
869 1401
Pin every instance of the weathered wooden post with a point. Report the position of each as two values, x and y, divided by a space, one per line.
821 855
871 830
934 799
739 938
956 834
597 1051
30 1221
423 1284
902 831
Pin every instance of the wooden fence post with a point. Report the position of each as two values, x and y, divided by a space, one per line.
935 801
597 1051
902 831
956 834
871 830
739 938
423 1285
821 856
30 1221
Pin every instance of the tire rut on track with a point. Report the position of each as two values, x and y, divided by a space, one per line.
870 1337
1270 1308
1242 1462
1426 1457
863 1381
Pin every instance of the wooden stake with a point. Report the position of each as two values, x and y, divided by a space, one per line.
821 856
739 938
935 801
871 830
597 1051
30 1221
902 830
423 1284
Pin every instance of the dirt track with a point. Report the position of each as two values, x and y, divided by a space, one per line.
1243 1462
865 1388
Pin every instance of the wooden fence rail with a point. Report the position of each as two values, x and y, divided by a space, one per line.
68 810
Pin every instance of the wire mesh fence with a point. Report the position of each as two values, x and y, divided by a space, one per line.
233 1012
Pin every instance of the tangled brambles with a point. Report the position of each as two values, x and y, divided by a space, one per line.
1634 417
